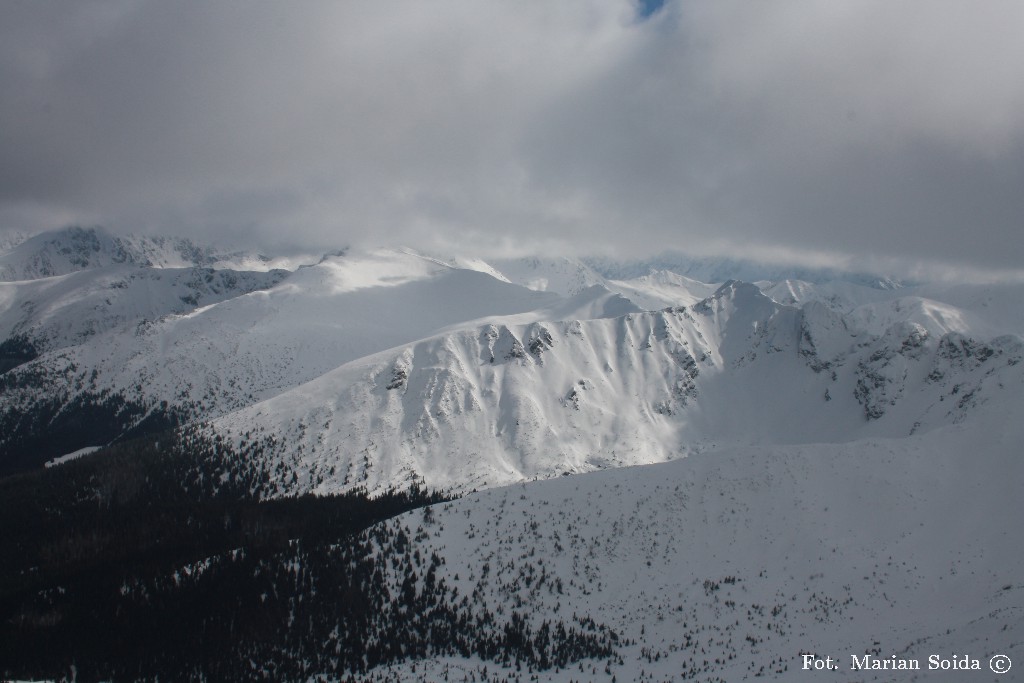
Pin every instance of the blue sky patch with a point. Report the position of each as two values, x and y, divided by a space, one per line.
649 7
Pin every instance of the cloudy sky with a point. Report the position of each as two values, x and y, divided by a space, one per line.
821 131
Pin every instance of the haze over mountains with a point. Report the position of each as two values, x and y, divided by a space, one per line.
831 462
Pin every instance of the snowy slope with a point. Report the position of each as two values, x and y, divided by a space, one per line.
722 268
10 239
514 399
67 310
556 274
730 564
568 276
73 249
318 318
662 289
225 353
379 367
981 310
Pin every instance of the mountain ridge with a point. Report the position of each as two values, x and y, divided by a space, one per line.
517 370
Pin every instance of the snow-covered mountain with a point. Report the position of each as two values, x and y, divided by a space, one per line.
720 269
517 400
9 239
759 469
379 368
68 310
75 249
30 257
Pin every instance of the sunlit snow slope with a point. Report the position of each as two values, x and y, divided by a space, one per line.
377 368
508 399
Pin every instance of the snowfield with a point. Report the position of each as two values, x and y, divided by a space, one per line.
728 565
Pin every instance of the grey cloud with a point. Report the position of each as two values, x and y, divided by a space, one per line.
859 129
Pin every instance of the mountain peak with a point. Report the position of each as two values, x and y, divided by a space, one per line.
76 248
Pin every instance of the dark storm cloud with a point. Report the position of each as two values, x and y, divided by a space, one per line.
839 131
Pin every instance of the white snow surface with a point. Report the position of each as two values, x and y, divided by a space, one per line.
730 564
67 310
374 368
533 396
81 452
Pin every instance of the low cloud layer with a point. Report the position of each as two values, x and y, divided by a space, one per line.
853 131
